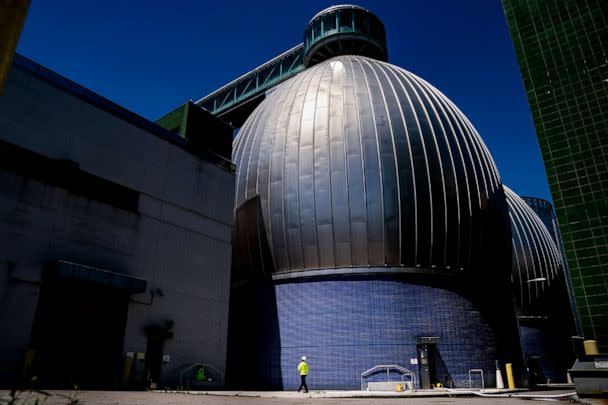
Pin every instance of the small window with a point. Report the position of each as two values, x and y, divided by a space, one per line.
359 22
329 22
346 20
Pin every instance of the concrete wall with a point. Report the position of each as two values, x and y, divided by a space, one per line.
178 240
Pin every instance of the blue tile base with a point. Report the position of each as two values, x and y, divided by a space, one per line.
347 326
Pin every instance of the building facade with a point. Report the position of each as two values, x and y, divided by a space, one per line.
115 241
562 48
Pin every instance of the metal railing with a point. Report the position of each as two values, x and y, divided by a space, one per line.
404 372
476 370
255 82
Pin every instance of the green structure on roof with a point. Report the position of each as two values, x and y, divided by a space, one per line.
200 128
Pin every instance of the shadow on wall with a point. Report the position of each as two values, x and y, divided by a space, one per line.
546 332
253 319
441 370
253 330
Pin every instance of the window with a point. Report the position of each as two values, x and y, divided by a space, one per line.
346 20
329 22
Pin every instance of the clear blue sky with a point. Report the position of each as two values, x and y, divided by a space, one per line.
152 55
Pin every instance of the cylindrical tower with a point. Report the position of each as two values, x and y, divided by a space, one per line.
544 210
344 30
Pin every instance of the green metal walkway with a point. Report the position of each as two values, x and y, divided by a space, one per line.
250 88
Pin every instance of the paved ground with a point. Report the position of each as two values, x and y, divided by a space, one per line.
267 398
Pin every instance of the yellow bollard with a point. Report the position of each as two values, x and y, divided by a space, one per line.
510 379
28 360
126 371
591 347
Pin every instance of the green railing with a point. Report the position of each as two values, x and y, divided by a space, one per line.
254 83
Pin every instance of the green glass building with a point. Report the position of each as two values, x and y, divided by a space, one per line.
562 49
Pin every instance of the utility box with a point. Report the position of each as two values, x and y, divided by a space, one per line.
590 375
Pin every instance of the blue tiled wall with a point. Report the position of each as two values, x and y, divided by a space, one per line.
345 327
546 340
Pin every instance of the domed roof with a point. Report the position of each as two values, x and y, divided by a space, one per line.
537 261
360 163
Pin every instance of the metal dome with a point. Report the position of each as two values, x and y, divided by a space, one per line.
536 259
360 163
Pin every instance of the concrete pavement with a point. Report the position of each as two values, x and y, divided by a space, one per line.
279 398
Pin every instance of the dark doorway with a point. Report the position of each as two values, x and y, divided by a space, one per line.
426 348
78 335
154 354
157 334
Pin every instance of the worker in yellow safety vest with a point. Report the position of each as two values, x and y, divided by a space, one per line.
303 370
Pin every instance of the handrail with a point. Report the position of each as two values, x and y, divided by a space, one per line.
476 370
211 366
404 371
252 72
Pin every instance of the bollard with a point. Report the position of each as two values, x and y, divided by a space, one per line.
591 347
126 371
27 365
510 379
500 384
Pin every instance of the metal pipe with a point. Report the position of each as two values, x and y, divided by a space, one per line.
482 394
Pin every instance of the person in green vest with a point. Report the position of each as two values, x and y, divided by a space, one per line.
200 374
303 370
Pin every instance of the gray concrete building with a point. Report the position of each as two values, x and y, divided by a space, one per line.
114 241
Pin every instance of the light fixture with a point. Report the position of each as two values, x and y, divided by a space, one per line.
536 280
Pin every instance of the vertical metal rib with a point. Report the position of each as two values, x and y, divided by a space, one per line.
359 225
460 176
449 180
371 167
291 180
276 199
306 181
391 186
338 167
266 171
405 171
321 172
424 196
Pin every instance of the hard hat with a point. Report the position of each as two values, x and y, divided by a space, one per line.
303 358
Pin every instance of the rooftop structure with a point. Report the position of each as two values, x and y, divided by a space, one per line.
338 30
